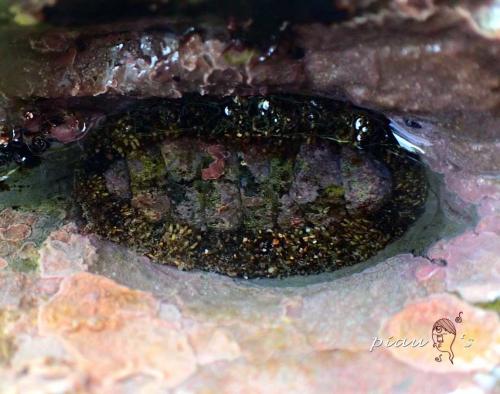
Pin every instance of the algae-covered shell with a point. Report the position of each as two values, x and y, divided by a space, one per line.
192 186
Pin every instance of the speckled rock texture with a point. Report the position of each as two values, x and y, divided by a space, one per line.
98 318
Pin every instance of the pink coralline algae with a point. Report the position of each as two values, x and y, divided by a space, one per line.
114 331
477 339
15 229
216 168
66 252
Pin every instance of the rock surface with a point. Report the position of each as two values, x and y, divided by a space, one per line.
436 68
162 329
131 326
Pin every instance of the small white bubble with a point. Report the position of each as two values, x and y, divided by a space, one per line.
264 105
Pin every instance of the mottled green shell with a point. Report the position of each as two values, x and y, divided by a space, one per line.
249 187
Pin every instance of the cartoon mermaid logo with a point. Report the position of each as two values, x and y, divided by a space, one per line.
443 336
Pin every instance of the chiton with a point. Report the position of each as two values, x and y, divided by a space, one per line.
259 186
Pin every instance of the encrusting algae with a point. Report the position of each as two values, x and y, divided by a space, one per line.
249 187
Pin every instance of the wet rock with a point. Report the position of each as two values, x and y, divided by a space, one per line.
17 231
290 374
433 68
468 258
114 331
66 252
476 330
214 345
